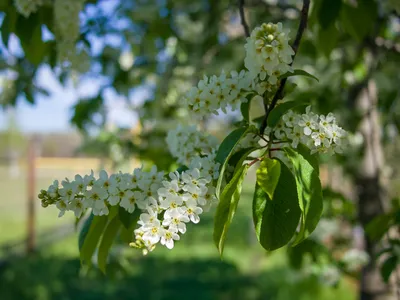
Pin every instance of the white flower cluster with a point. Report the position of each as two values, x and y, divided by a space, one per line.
126 190
318 132
328 274
268 53
355 259
268 56
67 26
180 200
166 205
27 7
185 143
218 92
326 229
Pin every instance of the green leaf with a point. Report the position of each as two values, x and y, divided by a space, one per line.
225 151
388 267
328 12
37 53
268 175
128 219
29 31
182 169
92 238
84 231
327 39
298 72
243 154
377 228
279 110
359 21
8 24
245 108
276 219
309 190
107 240
227 207
258 120
229 143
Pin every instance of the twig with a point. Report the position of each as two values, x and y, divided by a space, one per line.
255 160
243 18
295 46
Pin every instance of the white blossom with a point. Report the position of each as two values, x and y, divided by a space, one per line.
186 143
318 132
268 53
355 259
168 236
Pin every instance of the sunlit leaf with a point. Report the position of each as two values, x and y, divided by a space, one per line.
276 219
227 207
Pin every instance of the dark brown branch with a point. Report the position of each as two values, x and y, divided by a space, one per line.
243 18
295 46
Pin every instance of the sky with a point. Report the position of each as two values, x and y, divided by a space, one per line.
53 113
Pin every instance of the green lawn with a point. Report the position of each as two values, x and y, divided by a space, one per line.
13 207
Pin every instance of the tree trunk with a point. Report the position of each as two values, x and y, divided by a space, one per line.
370 190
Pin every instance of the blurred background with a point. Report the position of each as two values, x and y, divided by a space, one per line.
103 93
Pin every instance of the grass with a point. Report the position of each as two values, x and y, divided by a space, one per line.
13 207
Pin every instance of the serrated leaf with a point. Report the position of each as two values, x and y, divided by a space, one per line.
298 72
107 240
92 238
309 190
377 228
268 175
329 11
276 219
279 110
225 151
128 219
388 266
227 207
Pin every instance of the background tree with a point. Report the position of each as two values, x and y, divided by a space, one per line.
166 47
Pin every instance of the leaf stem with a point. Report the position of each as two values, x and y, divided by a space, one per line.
295 46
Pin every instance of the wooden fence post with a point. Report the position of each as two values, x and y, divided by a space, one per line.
31 178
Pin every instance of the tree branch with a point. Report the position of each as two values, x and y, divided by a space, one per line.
243 18
295 46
